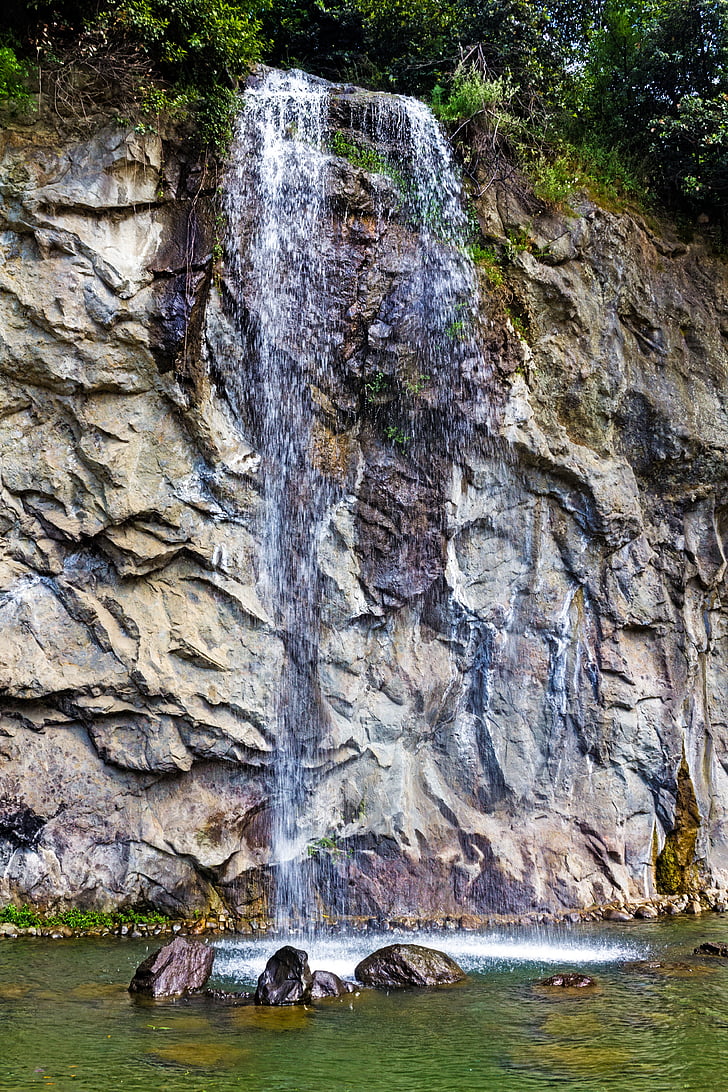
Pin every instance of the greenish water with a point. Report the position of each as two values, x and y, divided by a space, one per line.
67 1022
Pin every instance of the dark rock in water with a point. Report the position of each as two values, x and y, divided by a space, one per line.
400 965
179 967
711 949
225 998
328 984
569 980
286 980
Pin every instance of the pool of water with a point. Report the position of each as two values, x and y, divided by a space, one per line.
68 1023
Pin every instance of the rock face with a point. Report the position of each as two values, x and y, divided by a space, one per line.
180 967
286 980
520 660
400 965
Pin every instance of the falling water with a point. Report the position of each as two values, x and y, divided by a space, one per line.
288 332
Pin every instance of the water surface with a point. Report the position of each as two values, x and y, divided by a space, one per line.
68 1022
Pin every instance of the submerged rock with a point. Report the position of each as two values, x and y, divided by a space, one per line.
286 980
569 980
180 967
710 949
224 998
400 965
328 984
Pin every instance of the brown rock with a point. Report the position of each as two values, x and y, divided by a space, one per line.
709 948
180 967
328 984
569 980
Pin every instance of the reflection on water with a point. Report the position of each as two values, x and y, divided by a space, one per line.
69 1024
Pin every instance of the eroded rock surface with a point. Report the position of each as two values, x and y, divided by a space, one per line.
522 638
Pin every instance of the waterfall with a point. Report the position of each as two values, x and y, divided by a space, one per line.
283 303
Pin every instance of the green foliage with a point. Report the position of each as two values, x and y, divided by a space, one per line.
456 330
416 384
376 385
361 156
179 57
397 436
13 74
25 917
472 93
488 260
330 846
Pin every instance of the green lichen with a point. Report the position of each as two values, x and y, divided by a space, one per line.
676 871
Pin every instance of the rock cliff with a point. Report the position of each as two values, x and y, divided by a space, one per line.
520 670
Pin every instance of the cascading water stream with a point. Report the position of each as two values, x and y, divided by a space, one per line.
288 331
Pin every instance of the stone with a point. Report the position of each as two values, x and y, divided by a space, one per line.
180 967
617 915
286 980
398 965
569 980
328 984
710 948
223 997
647 913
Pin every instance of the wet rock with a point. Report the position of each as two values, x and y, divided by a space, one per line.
569 980
399 965
224 998
180 967
617 915
646 913
286 980
670 968
709 948
328 984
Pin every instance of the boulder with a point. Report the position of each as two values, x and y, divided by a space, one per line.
180 967
328 984
711 949
569 980
286 980
615 914
400 965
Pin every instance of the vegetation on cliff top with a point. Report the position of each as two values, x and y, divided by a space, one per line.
632 89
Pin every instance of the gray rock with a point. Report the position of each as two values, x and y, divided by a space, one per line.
400 965
180 967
